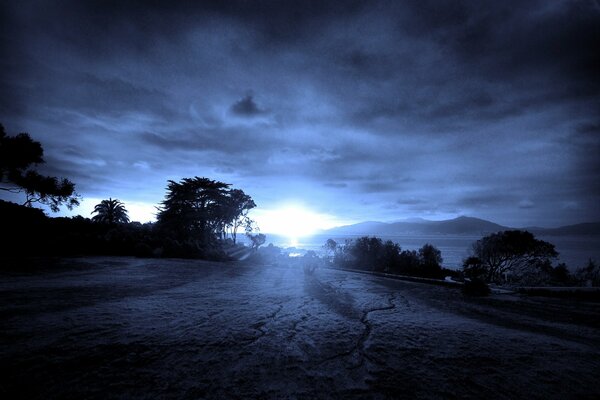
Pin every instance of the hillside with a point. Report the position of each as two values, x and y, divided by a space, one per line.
458 226
584 229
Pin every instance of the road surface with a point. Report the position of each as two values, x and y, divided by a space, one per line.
133 328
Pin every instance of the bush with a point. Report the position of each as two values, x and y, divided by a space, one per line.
143 250
374 254
476 287
589 275
514 255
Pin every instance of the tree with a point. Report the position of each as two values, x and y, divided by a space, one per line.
431 260
473 268
201 209
590 274
18 156
430 256
111 211
368 253
193 209
239 205
513 253
257 239
331 248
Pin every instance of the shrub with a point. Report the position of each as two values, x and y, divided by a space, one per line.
476 287
142 250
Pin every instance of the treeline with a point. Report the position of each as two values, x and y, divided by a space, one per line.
514 258
518 258
374 254
199 218
27 231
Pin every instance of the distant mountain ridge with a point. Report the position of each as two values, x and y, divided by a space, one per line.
583 229
458 226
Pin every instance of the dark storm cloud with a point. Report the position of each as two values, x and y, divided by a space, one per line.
228 141
492 61
246 107
385 108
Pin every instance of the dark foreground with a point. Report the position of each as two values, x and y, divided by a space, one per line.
129 328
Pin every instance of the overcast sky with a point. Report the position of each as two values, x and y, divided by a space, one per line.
359 110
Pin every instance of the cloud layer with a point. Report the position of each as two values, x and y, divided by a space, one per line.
366 110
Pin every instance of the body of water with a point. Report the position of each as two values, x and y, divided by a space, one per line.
574 251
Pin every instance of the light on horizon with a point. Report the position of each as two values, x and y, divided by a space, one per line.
293 221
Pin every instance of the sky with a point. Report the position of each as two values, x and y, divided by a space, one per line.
351 111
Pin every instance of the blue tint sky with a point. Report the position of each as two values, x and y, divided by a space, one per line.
358 110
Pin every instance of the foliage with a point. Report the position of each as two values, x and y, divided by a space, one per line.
374 254
111 211
310 262
561 275
590 274
18 156
510 255
476 287
238 206
18 153
67 236
430 259
331 248
257 239
117 236
201 210
473 268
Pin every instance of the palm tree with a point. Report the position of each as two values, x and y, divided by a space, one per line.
110 211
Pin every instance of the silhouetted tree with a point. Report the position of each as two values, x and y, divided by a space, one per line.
373 254
512 252
431 260
257 239
201 210
18 156
476 287
590 274
473 268
408 263
111 211
331 248
561 274
430 255
368 253
238 206
193 209
390 255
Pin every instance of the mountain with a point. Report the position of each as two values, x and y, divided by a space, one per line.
584 229
463 226
362 228
457 226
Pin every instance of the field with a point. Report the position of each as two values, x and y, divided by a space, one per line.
134 328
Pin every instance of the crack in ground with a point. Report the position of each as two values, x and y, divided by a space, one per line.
359 347
297 322
259 326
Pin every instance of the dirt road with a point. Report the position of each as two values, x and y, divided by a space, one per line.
132 328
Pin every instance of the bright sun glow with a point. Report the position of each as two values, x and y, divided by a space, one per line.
292 221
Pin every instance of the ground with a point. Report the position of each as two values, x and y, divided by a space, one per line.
132 328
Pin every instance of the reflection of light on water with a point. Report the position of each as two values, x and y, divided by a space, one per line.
295 254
